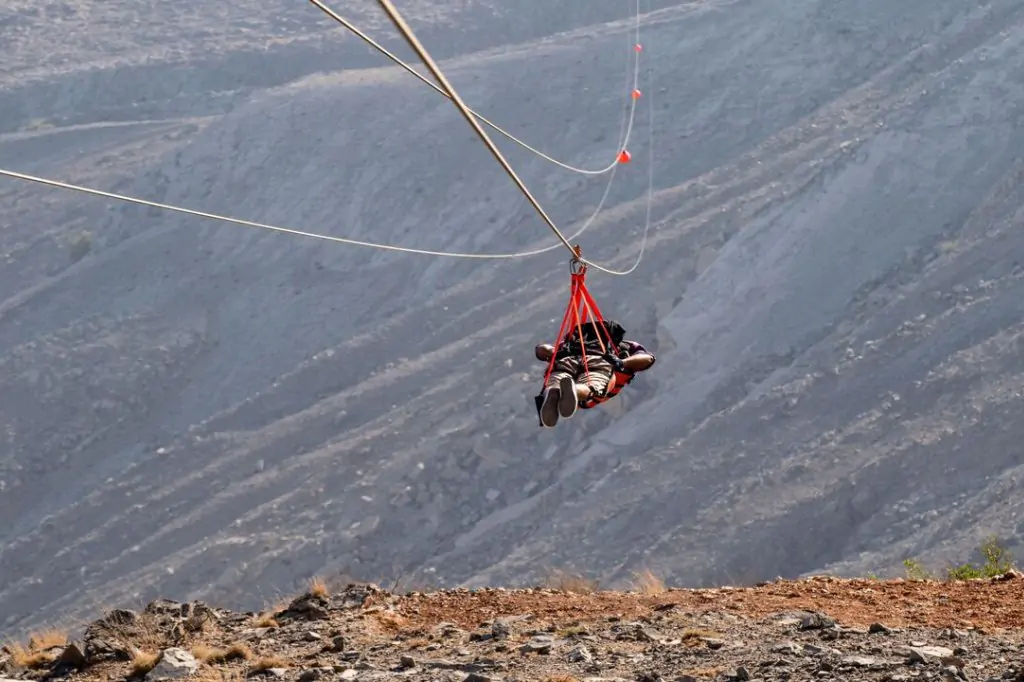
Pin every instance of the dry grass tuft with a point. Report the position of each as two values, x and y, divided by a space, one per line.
266 620
209 654
25 657
573 631
272 661
570 582
42 650
692 637
239 651
318 587
645 582
142 662
48 639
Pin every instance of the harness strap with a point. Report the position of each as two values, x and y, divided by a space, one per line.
581 310
563 330
620 379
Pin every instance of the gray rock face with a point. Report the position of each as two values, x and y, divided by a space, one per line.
206 411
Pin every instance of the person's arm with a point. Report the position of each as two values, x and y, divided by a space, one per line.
638 362
543 351
639 359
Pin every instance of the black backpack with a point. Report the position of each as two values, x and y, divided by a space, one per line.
591 341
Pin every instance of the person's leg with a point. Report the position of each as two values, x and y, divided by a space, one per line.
561 375
600 374
567 398
592 380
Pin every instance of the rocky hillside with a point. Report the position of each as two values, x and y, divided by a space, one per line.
832 286
818 629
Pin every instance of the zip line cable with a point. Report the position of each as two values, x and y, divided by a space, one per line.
383 50
414 43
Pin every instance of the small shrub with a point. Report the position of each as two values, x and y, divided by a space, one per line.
997 562
914 569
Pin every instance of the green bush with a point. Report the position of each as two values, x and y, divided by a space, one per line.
997 561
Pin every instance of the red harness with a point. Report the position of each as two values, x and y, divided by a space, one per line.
582 310
618 382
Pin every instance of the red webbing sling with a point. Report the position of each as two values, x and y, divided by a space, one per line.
582 309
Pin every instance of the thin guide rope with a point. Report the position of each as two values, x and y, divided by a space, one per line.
267 226
650 182
383 50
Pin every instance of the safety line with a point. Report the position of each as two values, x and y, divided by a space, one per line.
383 50
406 31
650 182
267 226
627 127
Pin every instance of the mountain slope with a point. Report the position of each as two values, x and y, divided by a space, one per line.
81 61
282 407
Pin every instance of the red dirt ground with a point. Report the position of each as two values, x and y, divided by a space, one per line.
986 604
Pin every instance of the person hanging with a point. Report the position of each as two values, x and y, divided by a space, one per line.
591 360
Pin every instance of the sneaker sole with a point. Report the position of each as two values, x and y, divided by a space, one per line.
567 402
549 409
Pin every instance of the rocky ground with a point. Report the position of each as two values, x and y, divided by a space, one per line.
821 628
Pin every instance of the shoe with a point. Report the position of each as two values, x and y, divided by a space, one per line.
549 409
567 401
